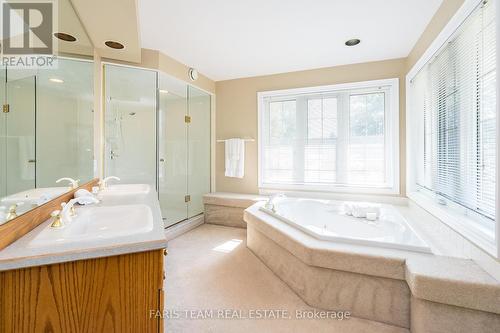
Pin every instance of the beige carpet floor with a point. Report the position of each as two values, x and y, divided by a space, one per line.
214 283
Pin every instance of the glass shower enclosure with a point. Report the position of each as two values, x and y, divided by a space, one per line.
47 131
157 131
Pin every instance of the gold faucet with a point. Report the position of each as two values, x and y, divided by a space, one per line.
103 183
12 213
56 219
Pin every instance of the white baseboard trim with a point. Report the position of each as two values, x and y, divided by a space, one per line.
182 227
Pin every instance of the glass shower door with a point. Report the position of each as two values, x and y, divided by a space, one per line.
19 122
172 150
199 149
3 120
130 124
64 123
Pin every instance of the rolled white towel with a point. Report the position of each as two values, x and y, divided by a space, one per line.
362 208
85 197
348 208
82 193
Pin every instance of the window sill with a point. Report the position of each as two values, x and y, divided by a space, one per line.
328 189
458 222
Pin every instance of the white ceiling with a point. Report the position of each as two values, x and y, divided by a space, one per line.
111 20
226 39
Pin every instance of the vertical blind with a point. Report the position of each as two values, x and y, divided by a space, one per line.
328 138
455 96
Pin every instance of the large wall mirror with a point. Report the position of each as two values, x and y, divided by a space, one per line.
46 132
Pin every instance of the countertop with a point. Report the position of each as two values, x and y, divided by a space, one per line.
20 254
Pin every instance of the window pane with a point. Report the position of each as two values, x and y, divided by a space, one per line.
366 139
278 154
321 140
320 151
282 120
314 108
330 118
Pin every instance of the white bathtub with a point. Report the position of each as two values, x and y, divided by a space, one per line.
326 220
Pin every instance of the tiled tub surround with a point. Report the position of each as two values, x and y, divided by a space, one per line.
424 292
227 208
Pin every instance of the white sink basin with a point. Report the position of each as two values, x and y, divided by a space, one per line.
126 189
95 223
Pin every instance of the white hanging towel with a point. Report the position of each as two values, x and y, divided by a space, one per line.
235 158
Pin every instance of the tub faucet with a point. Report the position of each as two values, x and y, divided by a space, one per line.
270 202
103 183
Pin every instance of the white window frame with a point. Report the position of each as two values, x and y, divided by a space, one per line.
450 215
391 136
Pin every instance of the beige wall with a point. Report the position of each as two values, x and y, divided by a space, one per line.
236 102
237 109
444 13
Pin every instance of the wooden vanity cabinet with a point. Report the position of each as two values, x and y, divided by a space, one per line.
111 294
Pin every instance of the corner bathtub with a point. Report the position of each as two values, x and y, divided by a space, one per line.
326 220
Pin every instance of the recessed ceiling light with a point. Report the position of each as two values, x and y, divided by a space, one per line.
114 45
56 80
352 42
65 37
163 91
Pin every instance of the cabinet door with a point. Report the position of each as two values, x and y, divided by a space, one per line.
113 294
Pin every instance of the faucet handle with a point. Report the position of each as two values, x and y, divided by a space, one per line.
103 183
56 219
72 211
12 212
73 183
